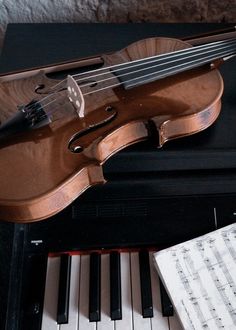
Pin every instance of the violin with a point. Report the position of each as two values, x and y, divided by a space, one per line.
56 135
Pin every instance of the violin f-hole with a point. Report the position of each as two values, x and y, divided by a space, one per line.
73 144
38 89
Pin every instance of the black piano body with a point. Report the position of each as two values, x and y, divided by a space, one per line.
154 197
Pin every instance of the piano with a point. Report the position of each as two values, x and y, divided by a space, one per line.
91 266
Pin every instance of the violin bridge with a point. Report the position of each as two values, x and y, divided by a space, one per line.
75 95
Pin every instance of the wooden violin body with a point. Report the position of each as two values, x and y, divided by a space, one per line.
39 173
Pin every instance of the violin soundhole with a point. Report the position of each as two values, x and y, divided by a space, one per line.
74 145
38 89
41 89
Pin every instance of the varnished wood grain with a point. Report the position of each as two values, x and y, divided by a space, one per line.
39 174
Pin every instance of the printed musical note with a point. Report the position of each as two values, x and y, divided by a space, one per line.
200 276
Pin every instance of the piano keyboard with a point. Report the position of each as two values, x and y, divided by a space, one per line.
104 298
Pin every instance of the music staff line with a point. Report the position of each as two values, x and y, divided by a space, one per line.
213 268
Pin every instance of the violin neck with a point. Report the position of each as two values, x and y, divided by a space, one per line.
213 36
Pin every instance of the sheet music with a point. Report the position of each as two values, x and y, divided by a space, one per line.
200 278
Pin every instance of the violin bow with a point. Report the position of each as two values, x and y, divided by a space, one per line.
212 36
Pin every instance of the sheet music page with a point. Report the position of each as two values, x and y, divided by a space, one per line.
200 278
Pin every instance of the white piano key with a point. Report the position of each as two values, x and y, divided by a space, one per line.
175 323
84 323
106 323
126 323
51 295
140 323
74 296
158 321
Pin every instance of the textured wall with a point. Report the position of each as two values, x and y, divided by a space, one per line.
115 11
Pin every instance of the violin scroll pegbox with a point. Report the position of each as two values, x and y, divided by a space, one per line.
75 96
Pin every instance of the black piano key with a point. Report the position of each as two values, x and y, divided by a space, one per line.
95 288
166 304
115 286
33 292
64 290
145 282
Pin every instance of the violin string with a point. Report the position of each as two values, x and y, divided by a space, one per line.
39 102
154 59
131 65
114 77
159 56
208 58
189 66
148 68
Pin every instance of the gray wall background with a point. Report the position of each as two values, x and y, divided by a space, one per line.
40 11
